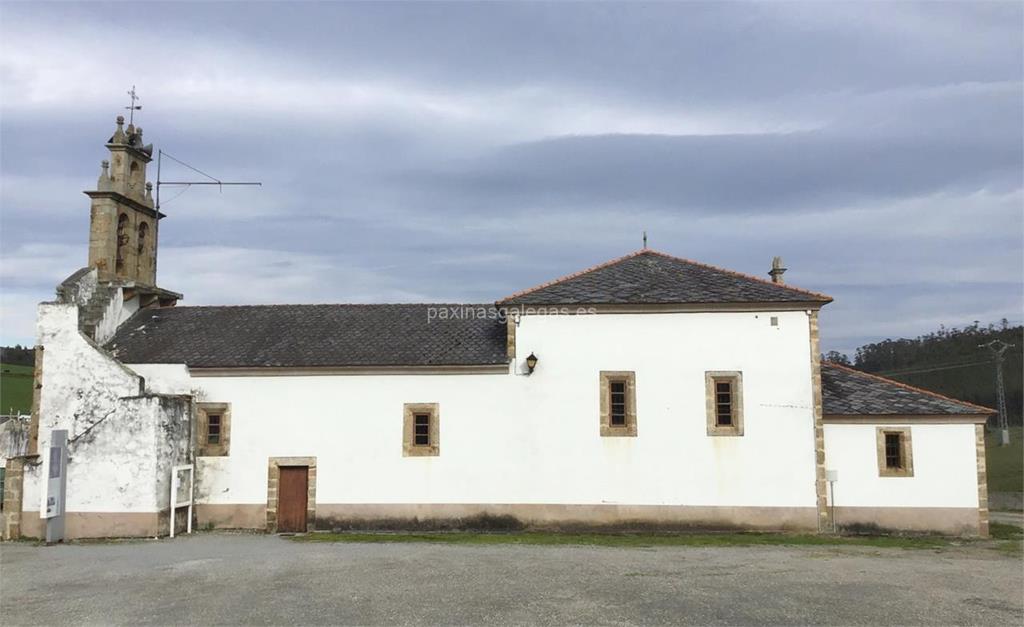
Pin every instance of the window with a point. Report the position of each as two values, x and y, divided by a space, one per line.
617 403
122 241
723 403
135 176
140 247
895 454
421 430
213 429
724 399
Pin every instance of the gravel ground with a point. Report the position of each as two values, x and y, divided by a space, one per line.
257 579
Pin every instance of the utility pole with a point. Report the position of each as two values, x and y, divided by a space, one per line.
998 348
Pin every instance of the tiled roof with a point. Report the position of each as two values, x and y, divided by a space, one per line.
650 277
849 392
311 336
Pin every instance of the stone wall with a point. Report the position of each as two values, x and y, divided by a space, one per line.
122 441
14 431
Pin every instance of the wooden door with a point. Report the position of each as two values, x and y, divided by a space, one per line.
292 497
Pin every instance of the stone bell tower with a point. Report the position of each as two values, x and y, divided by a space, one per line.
124 223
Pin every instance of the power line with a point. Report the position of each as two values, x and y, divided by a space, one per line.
891 373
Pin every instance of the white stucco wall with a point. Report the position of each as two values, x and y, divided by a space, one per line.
535 439
119 440
116 313
944 459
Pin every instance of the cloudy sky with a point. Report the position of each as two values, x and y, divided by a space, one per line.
461 152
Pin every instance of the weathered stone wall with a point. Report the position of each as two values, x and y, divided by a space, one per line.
78 288
114 315
14 437
172 418
121 440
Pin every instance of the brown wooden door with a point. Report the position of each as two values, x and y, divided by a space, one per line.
291 498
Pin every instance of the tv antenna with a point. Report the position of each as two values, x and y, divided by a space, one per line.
160 154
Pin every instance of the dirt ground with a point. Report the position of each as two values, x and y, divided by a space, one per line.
261 579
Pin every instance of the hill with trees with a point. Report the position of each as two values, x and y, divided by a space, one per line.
950 361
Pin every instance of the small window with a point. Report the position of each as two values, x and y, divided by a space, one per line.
421 430
421 426
213 429
723 402
724 396
618 403
895 453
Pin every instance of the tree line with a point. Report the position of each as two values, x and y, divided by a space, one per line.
951 362
18 355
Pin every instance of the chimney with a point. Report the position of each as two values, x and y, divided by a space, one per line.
777 270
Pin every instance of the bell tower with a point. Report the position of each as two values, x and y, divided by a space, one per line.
124 223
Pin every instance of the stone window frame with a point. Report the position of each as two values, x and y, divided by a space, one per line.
906 452
606 378
409 446
735 379
274 465
203 448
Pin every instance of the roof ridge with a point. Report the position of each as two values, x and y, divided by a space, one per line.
912 388
743 275
572 276
644 251
253 305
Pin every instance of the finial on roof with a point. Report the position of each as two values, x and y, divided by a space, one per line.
777 270
132 108
118 136
103 184
645 240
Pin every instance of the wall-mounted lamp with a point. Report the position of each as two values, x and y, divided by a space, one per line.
531 362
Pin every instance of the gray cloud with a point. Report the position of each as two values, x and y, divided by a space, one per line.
464 151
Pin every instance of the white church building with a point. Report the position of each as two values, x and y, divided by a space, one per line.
649 392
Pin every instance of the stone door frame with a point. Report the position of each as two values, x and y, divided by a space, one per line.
273 480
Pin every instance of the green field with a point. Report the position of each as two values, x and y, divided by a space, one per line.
1005 464
15 389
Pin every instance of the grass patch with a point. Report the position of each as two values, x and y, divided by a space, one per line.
636 540
15 389
1002 531
1009 538
1005 464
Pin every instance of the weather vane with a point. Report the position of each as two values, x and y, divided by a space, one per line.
133 107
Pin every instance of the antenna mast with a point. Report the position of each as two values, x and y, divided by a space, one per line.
160 154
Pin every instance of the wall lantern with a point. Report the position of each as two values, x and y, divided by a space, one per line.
531 362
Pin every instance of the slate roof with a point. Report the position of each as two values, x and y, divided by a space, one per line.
650 277
846 391
311 336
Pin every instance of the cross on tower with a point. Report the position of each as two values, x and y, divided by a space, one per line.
133 107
